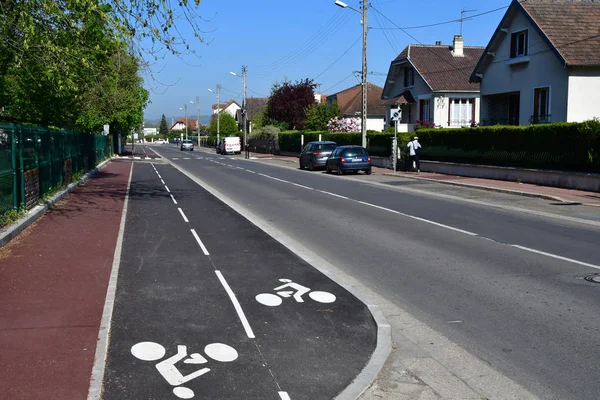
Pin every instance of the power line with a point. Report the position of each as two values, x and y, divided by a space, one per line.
338 59
331 87
445 22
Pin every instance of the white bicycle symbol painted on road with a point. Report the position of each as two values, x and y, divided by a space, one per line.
274 300
151 351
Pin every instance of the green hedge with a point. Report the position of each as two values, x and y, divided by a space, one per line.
378 143
559 146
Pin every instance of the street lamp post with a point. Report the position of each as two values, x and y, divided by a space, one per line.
218 109
186 120
364 65
244 70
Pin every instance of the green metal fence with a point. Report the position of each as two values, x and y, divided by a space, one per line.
35 161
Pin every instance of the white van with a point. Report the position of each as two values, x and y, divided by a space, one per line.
229 145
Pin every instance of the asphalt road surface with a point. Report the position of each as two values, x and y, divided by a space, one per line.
210 307
504 282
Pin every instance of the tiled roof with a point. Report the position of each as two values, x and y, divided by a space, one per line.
442 70
224 106
191 123
255 105
403 98
573 27
350 100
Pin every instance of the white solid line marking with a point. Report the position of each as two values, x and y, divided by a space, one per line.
204 250
236 305
102 343
284 396
333 194
302 186
555 256
379 207
174 201
163 182
183 215
166 187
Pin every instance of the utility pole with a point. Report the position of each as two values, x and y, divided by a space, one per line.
186 122
365 4
244 70
218 111
198 122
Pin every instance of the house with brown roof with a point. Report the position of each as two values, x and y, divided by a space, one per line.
542 64
230 107
254 105
349 102
179 125
430 84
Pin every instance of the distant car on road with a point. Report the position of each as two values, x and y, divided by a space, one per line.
187 144
349 158
161 141
315 154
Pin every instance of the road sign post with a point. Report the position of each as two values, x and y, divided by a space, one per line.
396 116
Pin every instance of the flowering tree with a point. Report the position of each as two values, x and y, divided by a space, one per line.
344 125
423 125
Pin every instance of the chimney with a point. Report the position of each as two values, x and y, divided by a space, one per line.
457 46
438 42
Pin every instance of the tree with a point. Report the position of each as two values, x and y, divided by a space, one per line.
163 129
318 115
227 124
288 103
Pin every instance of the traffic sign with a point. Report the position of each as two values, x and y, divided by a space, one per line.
397 115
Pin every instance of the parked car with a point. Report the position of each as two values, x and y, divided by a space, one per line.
349 158
229 145
315 154
187 144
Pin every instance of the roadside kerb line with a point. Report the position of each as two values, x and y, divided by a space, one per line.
174 201
183 215
555 256
236 305
204 249
97 377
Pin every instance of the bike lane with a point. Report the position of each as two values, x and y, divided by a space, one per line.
312 335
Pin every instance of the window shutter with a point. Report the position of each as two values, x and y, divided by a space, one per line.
473 100
536 105
421 102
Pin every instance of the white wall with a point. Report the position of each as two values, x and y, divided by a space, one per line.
544 69
375 124
584 95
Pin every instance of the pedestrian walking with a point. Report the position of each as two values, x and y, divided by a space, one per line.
413 151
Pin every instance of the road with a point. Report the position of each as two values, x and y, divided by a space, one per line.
196 314
500 277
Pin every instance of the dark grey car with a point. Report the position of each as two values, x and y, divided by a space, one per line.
315 154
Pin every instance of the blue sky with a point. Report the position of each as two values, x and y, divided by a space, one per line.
295 40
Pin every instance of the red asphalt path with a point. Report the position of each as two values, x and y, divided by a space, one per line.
53 283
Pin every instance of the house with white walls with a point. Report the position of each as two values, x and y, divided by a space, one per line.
349 102
230 107
430 84
542 64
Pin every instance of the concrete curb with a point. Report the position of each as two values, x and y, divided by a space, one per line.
488 188
36 212
384 332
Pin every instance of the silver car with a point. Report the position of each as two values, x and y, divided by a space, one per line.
187 145
315 154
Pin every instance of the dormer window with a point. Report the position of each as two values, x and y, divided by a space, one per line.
518 44
409 76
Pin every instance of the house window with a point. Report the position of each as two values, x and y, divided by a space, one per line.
424 111
409 77
541 105
461 112
518 44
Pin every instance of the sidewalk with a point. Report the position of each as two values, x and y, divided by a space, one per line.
523 189
54 280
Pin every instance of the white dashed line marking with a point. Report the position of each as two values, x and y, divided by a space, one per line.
174 201
236 305
166 187
204 250
333 194
163 182
183 215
